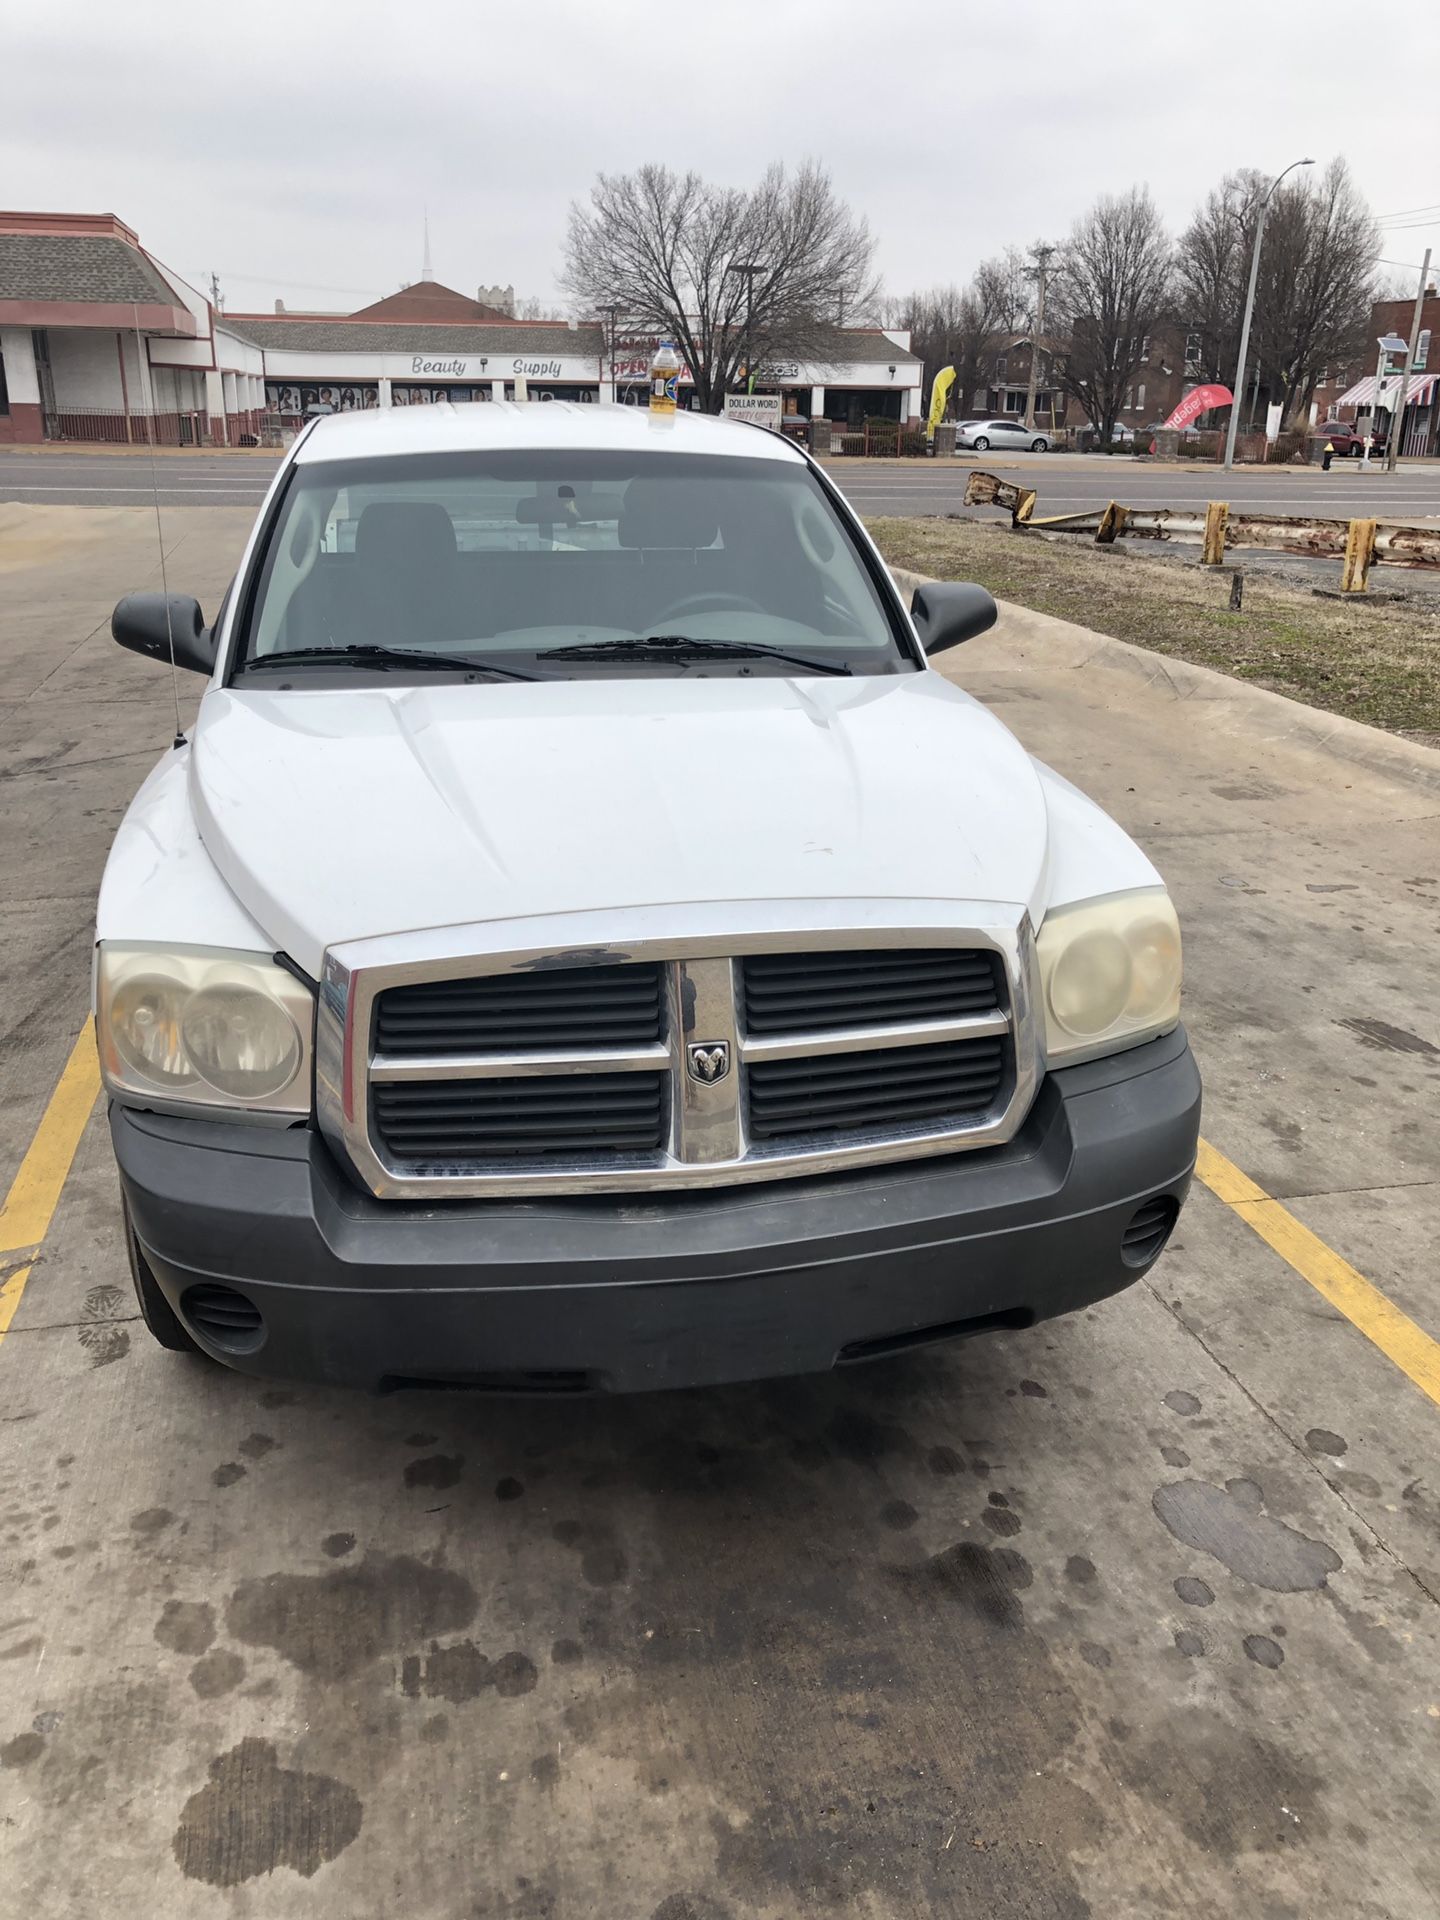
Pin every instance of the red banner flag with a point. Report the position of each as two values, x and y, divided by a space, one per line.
1199 400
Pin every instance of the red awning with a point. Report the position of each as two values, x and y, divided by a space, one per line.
1417 394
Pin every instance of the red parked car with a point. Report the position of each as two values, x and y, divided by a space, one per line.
1344 439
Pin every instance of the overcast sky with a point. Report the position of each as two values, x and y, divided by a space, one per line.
294 148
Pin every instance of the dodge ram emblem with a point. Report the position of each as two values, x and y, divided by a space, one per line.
709 1060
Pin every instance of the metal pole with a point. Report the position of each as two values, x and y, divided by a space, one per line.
1042 263
1374 407
1239 386
1397 419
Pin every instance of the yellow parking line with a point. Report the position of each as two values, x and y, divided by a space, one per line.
35 1191
1361 1302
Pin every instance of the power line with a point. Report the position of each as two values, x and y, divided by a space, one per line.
1404 213
307 286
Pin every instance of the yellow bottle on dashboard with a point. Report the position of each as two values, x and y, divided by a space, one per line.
664 376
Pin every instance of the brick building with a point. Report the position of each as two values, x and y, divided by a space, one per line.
1348 393
1168 367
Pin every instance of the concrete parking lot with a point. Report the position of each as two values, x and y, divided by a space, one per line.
1133 1614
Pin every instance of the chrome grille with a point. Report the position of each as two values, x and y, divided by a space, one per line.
556 1007
712 1060
439 1122
812 992
895 1087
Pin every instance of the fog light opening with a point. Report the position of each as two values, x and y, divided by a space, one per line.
223 1318
1144 1238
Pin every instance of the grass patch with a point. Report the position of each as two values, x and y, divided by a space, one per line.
1377 663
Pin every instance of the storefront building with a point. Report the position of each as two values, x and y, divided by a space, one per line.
100 341
859 374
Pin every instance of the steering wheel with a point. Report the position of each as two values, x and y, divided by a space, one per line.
708 603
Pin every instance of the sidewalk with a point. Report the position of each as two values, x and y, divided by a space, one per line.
1040 463
43 448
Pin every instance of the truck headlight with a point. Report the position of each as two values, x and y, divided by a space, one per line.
202 1026
1109 972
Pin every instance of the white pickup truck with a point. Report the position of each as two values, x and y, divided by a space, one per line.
584 944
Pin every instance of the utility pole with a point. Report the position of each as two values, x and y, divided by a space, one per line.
1397 418
218 303
1238 389
1042 268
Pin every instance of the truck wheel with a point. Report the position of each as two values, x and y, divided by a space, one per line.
161 1320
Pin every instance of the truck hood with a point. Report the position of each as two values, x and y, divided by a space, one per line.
345 813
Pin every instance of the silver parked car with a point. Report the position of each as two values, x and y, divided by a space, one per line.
1010 436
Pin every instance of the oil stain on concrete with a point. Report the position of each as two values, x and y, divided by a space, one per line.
462 1672
254 1816
218 1673
186 1626
331 1624
986 1581
439 1470
1229 1523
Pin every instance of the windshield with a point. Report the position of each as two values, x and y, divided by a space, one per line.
565 563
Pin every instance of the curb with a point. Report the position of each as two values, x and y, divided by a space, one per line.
1351 741
113 450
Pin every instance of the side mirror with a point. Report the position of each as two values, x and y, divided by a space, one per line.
948 611
147 622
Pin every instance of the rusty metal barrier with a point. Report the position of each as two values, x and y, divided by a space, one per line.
1358 544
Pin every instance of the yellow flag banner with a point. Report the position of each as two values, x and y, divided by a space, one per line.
939 394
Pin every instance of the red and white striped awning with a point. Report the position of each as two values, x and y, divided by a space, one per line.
1417 394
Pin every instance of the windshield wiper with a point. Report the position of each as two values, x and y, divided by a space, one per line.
684 646
381 657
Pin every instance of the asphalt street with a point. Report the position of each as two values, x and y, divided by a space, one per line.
1066 484
1132 1615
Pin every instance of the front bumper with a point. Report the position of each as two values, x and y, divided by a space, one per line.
689 1289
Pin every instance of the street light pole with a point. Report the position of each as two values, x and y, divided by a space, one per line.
612 313
749 269
1239 386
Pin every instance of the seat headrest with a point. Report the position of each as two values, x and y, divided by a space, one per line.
405 533
658 513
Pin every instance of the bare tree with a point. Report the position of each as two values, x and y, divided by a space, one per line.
532 307
1316 282
1006 287
966 327
1212 265
946 328
1111 287
665 249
